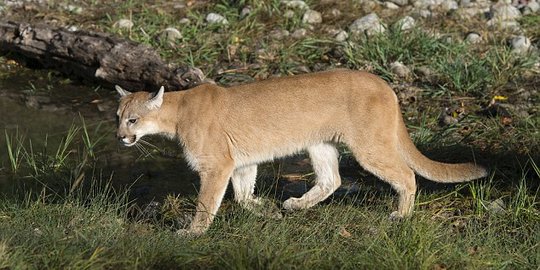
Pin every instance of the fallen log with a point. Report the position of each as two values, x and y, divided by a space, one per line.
93 56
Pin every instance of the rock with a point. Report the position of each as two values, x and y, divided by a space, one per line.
520 44
288 14
74 9
335 12
390 5
496 207
341 36
511 25
32 102
400 2
473 38
72 28
296 4
408 94
214 18
299 33
531 8
449 5
429 4
424 13
425 73
504 12
369 25
123 24
184 21
171 35
406 23
279 34
468 12
179 6
447 120
312 17
464 3
400 69
245 12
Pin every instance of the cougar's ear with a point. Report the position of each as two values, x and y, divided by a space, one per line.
121 91
156 101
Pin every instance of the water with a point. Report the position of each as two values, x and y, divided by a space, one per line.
39 111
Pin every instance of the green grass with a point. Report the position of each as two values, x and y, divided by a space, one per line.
95 231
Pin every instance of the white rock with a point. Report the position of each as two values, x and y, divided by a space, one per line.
400 69
449 5
341 36
279 34
468 12
496 207
531 8
289 14
297 4
312 17
74 9
400 2
473 38
520 44
390 5
214 18
335 12
171 34
245 11
431 4
424 13
406 23
184 21
465 3
504 12
72 28
123 24
508 25
369 24
299 33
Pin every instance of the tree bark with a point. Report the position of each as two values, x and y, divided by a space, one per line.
94 56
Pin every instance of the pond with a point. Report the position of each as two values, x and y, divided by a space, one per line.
48 123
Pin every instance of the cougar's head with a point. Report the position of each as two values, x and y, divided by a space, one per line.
137 115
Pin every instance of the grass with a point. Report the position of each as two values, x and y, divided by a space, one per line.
95 231
68 212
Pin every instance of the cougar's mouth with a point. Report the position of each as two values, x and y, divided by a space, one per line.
129 141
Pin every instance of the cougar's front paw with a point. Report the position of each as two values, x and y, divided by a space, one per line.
396 216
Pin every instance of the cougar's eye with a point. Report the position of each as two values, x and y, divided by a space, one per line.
133 120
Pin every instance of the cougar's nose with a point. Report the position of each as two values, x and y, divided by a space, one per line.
120 136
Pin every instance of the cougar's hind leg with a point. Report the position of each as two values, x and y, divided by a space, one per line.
324 158
383 160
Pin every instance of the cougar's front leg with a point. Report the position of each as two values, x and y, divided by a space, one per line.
214 182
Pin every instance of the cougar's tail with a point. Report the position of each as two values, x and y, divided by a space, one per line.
433 170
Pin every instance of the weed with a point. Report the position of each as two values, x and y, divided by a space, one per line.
14 149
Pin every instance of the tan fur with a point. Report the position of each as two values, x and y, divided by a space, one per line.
226 132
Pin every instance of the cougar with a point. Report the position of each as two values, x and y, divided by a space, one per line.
226 132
